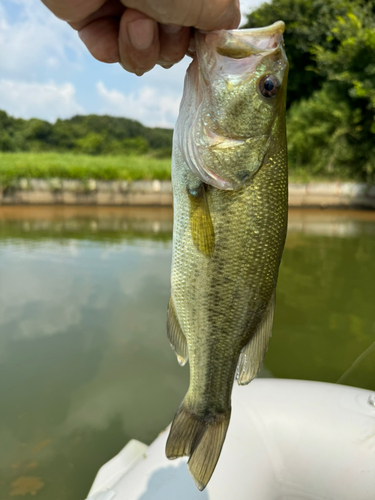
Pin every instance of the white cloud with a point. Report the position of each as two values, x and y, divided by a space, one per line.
147 105
248 6
35 39
47 101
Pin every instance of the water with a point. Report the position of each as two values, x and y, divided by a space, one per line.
84 360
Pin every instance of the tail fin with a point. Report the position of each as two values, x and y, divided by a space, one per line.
201 439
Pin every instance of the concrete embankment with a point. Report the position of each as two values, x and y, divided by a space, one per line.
159 193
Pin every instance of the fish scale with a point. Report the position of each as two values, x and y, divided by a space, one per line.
229 233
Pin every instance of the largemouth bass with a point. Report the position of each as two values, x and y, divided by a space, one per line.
230 191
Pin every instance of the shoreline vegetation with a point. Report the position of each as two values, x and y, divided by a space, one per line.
131 167
50 165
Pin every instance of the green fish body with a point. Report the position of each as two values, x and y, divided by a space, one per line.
230 189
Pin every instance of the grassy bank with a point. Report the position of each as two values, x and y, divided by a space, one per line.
14 166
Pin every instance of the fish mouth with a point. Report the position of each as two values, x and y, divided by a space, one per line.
277 27
272 29
240 44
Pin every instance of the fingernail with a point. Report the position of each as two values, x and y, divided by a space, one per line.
125 66
165 65
82 35
141 33
137 71
171 29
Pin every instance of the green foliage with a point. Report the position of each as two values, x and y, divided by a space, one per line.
96 144
163 153
318 136
136 145
331 90
38 165
92 144
11 133
350 78
90 134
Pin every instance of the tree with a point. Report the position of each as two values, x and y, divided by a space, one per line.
331 50
89 134
349 73
92 144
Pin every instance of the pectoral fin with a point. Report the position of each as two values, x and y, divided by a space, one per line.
253 353
202 230
175 334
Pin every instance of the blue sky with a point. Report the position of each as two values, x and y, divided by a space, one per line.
46 72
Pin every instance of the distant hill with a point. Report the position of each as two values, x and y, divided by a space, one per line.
90 134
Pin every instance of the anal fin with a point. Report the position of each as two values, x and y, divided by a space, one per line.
175 334
253 353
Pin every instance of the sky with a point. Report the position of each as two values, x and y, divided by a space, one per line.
46 72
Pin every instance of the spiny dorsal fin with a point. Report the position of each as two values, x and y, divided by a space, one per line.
253 353
175 334
202 230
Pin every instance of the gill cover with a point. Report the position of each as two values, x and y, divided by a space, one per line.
225 124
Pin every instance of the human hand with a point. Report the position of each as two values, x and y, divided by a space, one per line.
141 33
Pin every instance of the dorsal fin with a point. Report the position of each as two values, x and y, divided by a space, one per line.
202 230
253 353
175 334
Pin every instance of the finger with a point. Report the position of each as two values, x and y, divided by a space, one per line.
101 39
112 8
228 15
138 42
202 14
217 15
174 43
73 11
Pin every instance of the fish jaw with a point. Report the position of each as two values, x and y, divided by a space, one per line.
225 124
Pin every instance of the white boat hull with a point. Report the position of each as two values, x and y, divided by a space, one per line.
287 440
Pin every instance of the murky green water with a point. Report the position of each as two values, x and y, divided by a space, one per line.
84 360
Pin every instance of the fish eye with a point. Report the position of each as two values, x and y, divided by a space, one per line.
269 86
